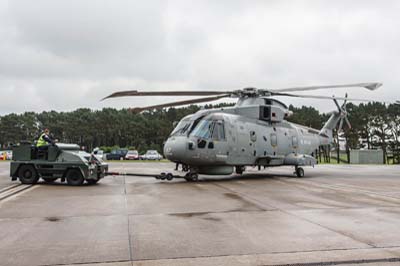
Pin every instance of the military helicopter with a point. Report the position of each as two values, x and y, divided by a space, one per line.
254 132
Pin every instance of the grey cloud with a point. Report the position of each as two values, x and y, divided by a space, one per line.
67 54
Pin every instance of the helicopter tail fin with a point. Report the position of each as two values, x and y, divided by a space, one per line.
337 117
327 131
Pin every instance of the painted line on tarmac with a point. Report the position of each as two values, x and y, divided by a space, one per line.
13 191
8 188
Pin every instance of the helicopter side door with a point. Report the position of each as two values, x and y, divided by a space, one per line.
218 144
283 140
245 143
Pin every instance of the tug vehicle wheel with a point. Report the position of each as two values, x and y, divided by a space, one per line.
299 172
74 177
27 174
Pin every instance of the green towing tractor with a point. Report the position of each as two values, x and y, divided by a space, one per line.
60 161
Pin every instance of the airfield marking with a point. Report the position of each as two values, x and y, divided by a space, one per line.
128 221
13 191
8 188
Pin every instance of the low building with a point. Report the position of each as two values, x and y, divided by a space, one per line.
366 157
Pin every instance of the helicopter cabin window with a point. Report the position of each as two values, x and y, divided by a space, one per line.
253 136
274 140
294 141
265 113
268 102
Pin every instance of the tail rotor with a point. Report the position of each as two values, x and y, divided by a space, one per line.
343 113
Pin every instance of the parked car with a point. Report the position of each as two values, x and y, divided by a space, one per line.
99 154
151 155
117 154
5 155
132 155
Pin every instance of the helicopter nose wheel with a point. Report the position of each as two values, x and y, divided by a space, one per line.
192 177
299 171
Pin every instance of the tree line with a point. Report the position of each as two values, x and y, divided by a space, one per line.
375 123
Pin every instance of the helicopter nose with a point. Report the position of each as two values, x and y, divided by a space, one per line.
175 149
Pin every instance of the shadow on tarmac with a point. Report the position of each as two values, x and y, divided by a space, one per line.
202 179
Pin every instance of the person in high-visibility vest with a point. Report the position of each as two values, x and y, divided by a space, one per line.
44 140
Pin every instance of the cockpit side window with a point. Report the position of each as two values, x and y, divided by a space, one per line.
204 129
210 129
195 124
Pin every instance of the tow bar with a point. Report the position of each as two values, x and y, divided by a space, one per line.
162 176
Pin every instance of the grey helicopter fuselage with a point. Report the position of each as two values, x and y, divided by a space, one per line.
252 133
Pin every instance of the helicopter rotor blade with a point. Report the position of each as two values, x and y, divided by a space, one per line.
370 86
347 122
179 103
345 102
340 125
321 97
337 104
163 93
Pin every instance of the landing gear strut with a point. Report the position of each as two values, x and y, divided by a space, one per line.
299 171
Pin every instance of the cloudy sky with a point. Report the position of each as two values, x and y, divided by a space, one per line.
66 54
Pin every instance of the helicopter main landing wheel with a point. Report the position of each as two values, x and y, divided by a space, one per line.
240 169
192 177
299 172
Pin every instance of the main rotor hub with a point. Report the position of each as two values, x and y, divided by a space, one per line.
252 92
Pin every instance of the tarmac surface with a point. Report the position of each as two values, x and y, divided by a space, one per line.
336 215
